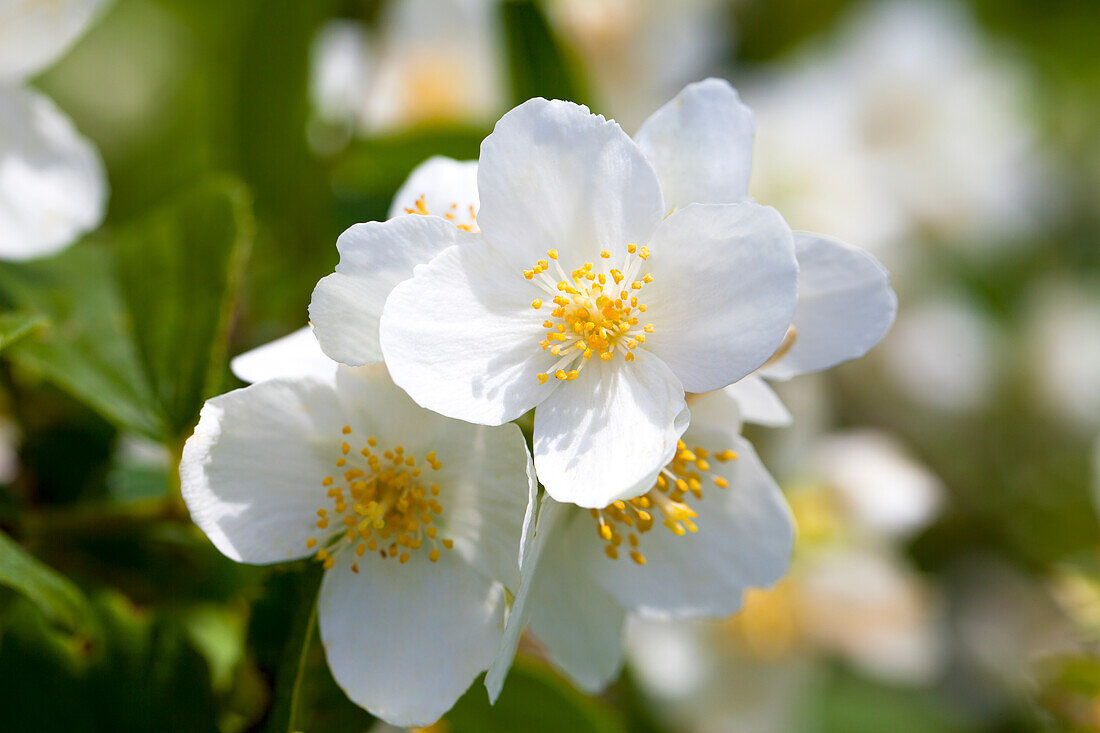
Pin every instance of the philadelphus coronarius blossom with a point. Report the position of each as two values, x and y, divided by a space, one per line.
713 524
580 294
416 517
700 144
52 184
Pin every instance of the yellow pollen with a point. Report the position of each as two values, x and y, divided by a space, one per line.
679 481
588 321
385 499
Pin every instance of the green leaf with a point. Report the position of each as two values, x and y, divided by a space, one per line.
15 326
58 598
539 65
179 270
87 349
534 699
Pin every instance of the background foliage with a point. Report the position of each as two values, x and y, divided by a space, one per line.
116 613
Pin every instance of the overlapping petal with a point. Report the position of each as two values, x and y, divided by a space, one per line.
744 540
845 306
758 402
374 257
724 291
606 435
442 187
580 624
554 176
295 355
462 339
700 144
247 470
406 640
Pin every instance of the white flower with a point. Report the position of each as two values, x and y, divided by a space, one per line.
700 144
574 236
714 524
417 519
849 593
52 184
429 60
372 266
435 207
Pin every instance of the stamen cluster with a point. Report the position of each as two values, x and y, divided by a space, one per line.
420 206
595 310
682 477
381 504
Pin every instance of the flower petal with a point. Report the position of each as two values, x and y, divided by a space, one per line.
462 338
845 306
485 473
758 402
34 34
607 434
295 355
700 144
248 469
52 184
580 625
536 530
444 186
405 640
745 537
723 293
374 257
554 176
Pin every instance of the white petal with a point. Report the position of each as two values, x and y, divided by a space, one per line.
723 293
538 525
580 624
52 184
462 338
700 144
374 257
554 176
715 417
607 434
295 355
405 640
448 188
251 472
485 476
845 306
759 403
33 34
488 481
745 537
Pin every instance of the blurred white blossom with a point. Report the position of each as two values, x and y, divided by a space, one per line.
943 354
427 60
1061 347
638 53
908 124
52 184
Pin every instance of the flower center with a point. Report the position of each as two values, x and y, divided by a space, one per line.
381 505
678 481
464 219
595 310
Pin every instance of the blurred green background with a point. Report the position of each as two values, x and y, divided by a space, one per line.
239 144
